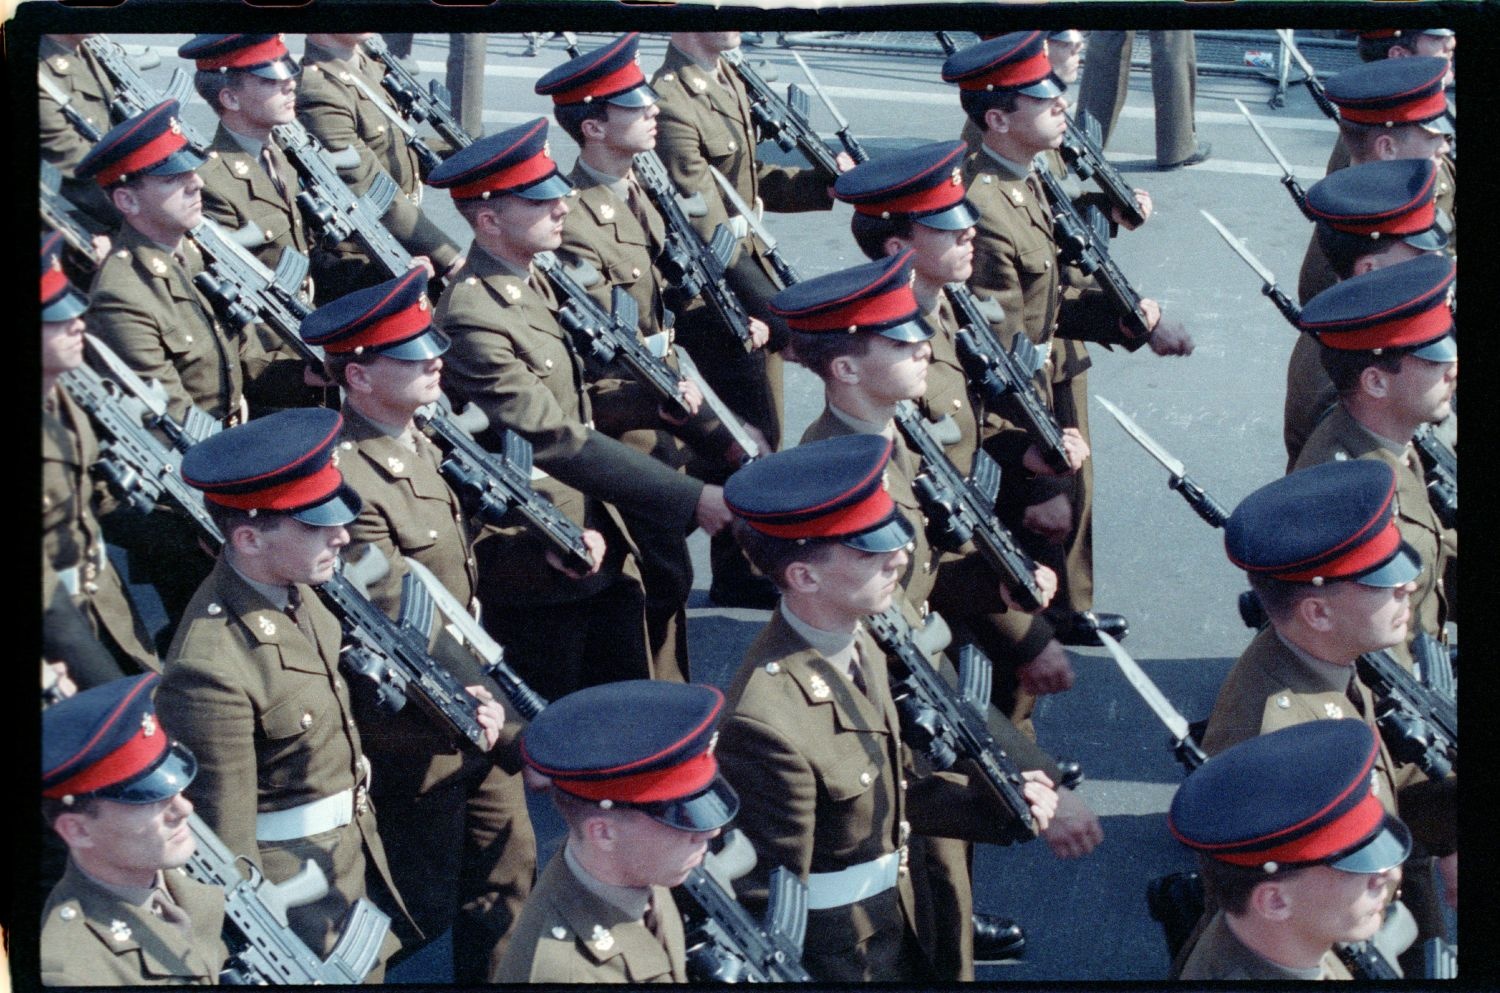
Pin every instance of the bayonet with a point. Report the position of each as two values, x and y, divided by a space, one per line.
851 144
1206 506
784 270
1310 75
1183 745
1288 178
1277 295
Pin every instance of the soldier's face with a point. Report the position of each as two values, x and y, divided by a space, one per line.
1412 141
892 371
264 103
942 256
1037 123
856 584
62 345
1066 58
1394 252
526 227
1330 905
720 41
133 840
653 854
1369 618
628 130
294 552
1423 389
402 384
168 203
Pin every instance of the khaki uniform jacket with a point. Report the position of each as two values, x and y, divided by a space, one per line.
1219 955
144 306
268 715
92 937
704 124
511 357
71 535
1340 437
239 193
80 76
341 116
567 934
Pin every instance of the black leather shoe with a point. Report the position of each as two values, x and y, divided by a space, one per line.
1079 627
1201 155
997 939
752 593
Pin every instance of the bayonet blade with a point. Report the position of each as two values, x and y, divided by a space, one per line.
838 119
1265 140
1240 249
1296 53
1143 439
766 238
1148 690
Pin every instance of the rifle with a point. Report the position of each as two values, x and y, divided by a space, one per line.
607 336
1288 178
498 484
1439 959
1440 469
1268 286
1418 724
70 113
1006 379
61 216
1084 243
265 950
333 207
784 121
133 95
946 42
1083 152
243 290
1205 506
944 723
196 424
695 266
433 106
724 943
845 135
784 270
1310 75
963 509
1434 664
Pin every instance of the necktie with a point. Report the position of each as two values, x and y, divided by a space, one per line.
268 160
857 672
1352 692
635 200
163 906
297 614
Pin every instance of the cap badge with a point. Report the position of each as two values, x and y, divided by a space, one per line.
1333 710
174 126
819 688
333 456
885 480
547 148
1374 782
422 303
958 176
512 292
606 211
602 940
119 930
267 626
395 464
148 724
713 742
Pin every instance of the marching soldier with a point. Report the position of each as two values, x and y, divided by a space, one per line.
1007 87
705 122
812 742
252 682
1397 43
459 840
602 100
511 357
340 100
1339 586
1298 865
1370 216
73 546
125 913
641 800
72 69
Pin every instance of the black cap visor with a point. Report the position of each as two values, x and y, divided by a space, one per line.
890 535
1045 89
707 810
912 330
554 187
181 161
637 96
66 307
427 345
282 68
1444 349
1402 568
1434 239
958 217
1387 849
167 778
335 511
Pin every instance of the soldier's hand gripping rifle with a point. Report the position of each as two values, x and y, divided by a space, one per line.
1288 178
947 724
1083 152
497 485
693 266
1084 242
264 950
133 95
329 203
1006 379
964 509
783 121
724 943
1418 724
432 105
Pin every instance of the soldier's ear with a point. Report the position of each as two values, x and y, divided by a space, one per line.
1374 382
1316 612
1270 900
995 120
125 200
801 577
73 828
894 246
844 369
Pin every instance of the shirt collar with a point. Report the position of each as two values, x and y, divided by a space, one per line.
861 425
1336 677
835 646
631 900
615 184
1014 170
252 145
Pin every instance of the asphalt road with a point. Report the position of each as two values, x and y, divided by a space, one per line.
1219 411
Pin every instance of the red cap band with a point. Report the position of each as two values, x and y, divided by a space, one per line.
1424 108
1400 222
673 783
853 519
152 153
1415 329
886 308
627 77
1340 836
1013 75
137 755
54 282
934 198
250 56
302 492
1362 558
532 170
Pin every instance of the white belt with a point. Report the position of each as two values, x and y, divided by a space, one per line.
838 889
308 819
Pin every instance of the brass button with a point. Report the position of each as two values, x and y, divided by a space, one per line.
307 720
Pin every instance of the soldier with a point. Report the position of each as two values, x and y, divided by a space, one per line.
459 840
252 682
1370 216
73 70
1174 88
1338 586
1398 43
343 104
512 358
1008 88
73 546
641 800
706 121
812 742
1300 862
604 103
125 913
1388 342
